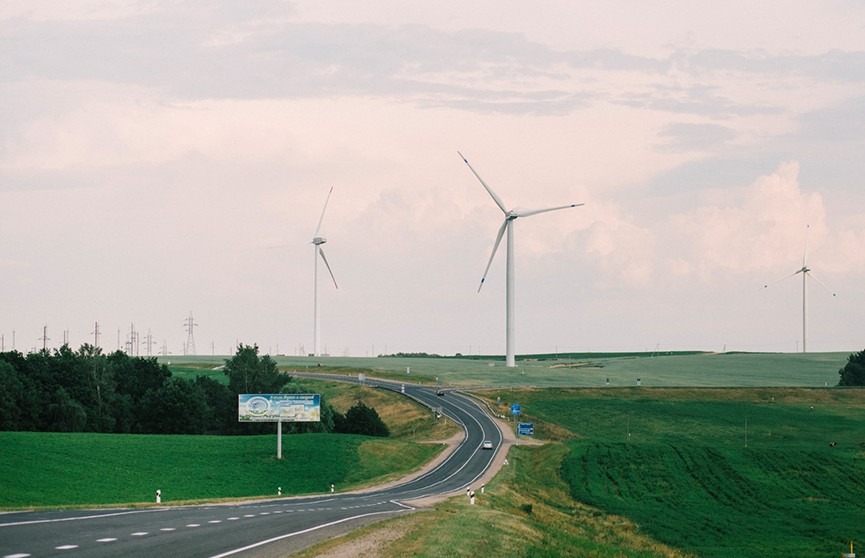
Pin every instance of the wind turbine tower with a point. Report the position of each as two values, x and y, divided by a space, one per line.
510 215
317 241
806 274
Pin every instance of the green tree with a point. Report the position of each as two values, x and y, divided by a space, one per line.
65 414
853 373
325 423
249 373
178 407
11 395
361 419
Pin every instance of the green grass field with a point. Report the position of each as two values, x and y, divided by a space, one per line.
676 462
57 469
695 370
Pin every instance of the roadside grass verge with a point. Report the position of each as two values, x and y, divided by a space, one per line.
499 524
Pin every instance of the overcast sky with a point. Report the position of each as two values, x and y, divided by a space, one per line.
165 157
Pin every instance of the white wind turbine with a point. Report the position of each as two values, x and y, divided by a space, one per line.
510 216
317 241
806 273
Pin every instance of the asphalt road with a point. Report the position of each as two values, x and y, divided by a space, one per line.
259 529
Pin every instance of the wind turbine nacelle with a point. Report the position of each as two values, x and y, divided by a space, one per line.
319 240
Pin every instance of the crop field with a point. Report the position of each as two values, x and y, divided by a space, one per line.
664 370
717 472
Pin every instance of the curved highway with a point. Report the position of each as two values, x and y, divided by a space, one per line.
259 529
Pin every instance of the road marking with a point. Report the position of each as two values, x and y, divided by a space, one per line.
98 516
194 525
139 534
311 529
106 540
249 515
66 547
215 521
168 529
233 518
16 556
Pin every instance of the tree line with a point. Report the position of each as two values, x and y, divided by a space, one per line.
88 391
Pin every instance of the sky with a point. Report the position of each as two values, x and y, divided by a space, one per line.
161 159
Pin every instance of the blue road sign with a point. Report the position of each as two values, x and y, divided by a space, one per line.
525 429
515 408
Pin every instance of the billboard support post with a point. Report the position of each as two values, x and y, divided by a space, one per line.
278 408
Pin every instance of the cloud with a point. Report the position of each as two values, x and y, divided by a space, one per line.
759 227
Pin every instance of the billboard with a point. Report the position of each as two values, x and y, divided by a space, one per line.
278 407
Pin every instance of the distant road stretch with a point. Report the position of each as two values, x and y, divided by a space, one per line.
260 529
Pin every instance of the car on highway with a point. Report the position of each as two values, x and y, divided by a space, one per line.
440 392
487 444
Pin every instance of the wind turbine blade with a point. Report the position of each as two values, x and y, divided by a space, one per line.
493 255
531 212
320 219
495 197
320 251
767 285
821 283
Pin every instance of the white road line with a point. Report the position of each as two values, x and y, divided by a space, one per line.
215 521
140 534
316 528
194 525
233 518
106 540
83 517
66 547
168 529
249 515
17 556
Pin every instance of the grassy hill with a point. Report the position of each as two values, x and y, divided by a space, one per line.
60 469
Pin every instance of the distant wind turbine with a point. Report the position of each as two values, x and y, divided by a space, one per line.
317 241
510 216
806 273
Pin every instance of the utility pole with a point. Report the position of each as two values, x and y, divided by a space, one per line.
148 342
45 337
95 334
190 337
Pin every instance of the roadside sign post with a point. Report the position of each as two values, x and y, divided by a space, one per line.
525 429
278 408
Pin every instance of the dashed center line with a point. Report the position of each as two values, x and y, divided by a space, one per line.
66 547
140 534
168 529
194 525
106 540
